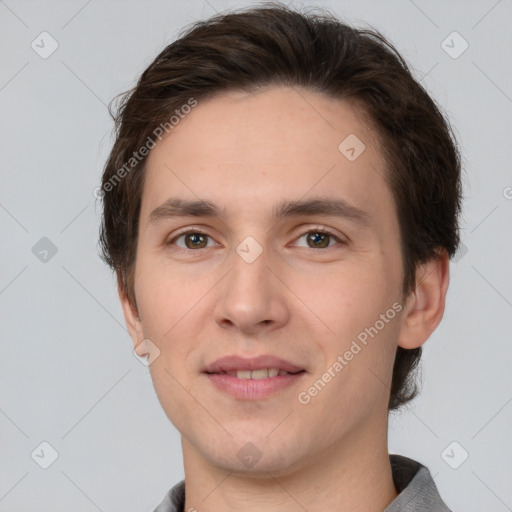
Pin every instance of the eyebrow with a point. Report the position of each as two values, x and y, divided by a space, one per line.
177 207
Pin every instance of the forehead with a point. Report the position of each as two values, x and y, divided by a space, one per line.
240 149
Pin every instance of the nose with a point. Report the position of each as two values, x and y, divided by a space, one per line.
251 299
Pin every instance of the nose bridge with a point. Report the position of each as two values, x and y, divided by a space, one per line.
249 272
250 296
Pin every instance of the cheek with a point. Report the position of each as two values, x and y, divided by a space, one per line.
360 325
349 300
156 308
172 308
162 293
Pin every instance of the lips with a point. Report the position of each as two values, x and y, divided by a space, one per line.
232 364
257 378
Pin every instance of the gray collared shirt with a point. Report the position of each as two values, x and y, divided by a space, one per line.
416 489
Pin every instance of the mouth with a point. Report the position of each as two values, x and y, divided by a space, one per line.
252 379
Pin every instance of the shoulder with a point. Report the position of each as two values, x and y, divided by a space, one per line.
417 491
174 500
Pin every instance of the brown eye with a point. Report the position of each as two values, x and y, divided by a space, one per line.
320 239
192 240
195 240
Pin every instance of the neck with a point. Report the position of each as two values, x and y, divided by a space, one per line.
354 476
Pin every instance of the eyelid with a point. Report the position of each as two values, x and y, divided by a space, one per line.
321 229
184 231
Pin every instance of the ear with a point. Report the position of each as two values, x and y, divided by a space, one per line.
131 318
424 307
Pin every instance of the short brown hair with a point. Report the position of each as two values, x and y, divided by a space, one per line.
253 48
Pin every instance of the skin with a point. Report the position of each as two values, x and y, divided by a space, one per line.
304 304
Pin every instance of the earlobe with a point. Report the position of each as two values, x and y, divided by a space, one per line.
424 306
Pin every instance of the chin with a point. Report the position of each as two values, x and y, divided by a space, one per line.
255 455
275 464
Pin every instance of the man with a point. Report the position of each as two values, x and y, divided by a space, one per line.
280 207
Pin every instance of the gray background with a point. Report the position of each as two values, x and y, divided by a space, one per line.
68 373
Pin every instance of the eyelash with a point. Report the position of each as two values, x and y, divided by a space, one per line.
198 232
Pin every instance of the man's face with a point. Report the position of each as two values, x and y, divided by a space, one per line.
246 283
